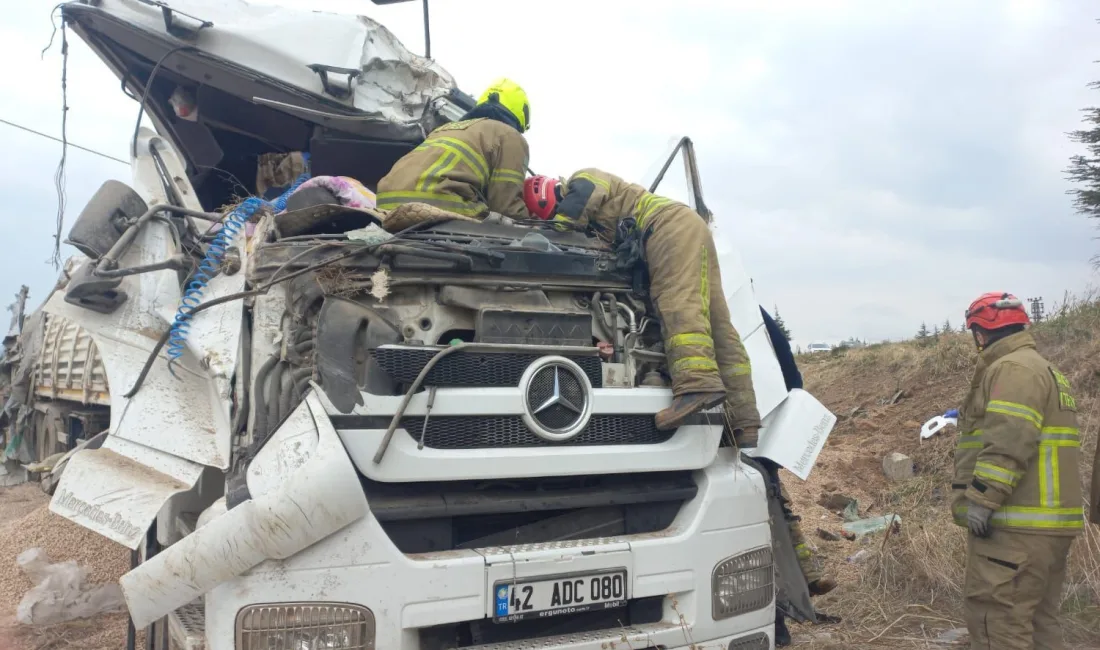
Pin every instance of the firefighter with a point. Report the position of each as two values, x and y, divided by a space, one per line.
1017 483
471 167
707 362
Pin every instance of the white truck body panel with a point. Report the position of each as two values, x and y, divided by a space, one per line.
317 498
407 592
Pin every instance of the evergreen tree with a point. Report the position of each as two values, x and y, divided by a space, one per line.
947 326
935 331
781 325
1084 169
922 333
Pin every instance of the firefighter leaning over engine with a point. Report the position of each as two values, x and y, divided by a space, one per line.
470 167
706 358
1017 483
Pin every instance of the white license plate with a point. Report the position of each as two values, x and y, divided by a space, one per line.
540 598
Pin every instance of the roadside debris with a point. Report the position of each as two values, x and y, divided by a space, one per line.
864 527
851 511
937 423
835 502
60 593
827 536
859 557
955 636
897 466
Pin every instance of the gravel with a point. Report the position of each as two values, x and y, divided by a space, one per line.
26 522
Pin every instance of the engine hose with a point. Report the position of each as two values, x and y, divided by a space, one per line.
259 399
301 387
286 386
290 383
271 393
233 224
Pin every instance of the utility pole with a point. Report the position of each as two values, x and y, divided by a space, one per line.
1036 309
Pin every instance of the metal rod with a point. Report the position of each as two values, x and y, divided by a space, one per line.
427 414
427 34
668 163
128 236
176 262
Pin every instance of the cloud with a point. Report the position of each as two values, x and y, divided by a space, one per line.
877 164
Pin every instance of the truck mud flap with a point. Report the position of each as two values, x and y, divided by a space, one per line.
792 594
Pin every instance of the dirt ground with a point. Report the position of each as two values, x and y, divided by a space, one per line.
26 522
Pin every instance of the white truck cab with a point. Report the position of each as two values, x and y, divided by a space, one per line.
319 440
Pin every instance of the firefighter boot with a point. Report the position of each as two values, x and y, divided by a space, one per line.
684 406
822 586
782 634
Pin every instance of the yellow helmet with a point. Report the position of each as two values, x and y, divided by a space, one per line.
511 96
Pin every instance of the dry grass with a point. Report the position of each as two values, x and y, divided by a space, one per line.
908 591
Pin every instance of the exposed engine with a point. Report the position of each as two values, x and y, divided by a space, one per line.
371 316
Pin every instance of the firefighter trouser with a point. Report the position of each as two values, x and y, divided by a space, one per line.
1013 591
806 560
705 353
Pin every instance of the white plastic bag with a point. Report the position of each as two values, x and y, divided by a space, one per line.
59 593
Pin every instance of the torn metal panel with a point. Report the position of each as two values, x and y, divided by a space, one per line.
185 415
118 489
320 497
17 309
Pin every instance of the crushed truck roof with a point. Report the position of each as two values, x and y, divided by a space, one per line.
313 53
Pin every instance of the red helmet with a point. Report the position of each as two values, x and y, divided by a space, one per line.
541 196
996 310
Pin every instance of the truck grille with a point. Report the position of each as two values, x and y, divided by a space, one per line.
468 368
483 432
487 514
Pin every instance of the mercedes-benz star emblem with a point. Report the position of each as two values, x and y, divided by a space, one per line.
557 397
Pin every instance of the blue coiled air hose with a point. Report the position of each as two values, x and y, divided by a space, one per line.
233 223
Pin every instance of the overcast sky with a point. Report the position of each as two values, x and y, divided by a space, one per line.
877 163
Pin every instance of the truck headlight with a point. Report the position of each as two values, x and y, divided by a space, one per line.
305 626
741 584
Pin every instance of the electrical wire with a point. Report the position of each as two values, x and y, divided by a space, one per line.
59 175
56 139
148 87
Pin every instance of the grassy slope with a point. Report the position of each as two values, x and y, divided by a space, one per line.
909 588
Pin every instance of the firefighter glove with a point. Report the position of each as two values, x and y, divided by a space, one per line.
628 246
978 520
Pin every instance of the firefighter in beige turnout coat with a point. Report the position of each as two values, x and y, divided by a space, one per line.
470 167
1017 484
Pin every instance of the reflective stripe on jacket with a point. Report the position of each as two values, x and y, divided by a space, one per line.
596 198
1019 447
468 167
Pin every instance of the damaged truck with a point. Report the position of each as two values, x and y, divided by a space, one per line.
332 427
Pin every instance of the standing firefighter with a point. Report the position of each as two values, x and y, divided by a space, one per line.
705 356
1017 484
470 167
